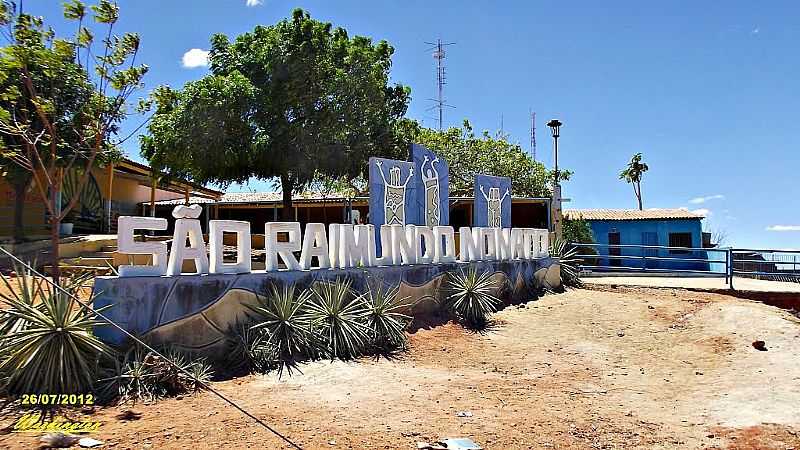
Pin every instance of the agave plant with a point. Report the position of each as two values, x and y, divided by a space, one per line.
26 287
338 318
132 379
280 314
250 350
471 297
567 255
385 322
47 342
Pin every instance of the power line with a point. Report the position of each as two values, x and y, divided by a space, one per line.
151 349
441 77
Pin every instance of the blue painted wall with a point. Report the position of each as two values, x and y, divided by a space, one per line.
403 193
651 232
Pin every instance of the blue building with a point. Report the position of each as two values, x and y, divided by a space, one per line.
652 227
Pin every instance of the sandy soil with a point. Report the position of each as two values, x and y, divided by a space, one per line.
613 368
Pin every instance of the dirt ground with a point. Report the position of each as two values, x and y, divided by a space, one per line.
603 368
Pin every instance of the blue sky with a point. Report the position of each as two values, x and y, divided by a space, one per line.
708 94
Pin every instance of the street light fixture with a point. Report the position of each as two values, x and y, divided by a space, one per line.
555 129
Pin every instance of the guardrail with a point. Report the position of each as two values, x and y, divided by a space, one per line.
654 259
777 265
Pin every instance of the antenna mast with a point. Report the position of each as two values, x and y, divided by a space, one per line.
533 135
441 77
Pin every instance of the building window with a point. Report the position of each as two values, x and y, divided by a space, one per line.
680 240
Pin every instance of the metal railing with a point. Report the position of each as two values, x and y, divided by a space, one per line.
766 264
654 259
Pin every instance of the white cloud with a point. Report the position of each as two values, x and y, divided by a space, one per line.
195 58
702 211
254 2
783 228
755 30
699 200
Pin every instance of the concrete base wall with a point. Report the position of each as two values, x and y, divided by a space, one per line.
195 312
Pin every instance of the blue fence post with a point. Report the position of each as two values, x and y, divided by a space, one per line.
729 258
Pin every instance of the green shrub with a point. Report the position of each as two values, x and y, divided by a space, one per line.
338 317
47 345
471 297
384 321
280 315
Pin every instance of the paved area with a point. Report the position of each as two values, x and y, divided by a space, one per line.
710 283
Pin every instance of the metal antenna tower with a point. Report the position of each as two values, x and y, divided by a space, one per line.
533 135
441 77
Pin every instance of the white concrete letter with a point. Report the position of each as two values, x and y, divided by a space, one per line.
386 258
444 235
518 242
505 244
488 243
469 244
425 236
187 228
404 249
126 244
217 228
315 243
285 249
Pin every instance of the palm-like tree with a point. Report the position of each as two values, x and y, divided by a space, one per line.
633 175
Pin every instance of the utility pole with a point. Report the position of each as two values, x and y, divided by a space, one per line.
441 78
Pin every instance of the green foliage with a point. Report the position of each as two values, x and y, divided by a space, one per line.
385 322
339 318
577 230
281 314
569 261
288 101
633 174
142 375
47 345
469 154
62 101
472 297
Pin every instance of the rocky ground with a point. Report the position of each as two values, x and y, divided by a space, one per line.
600 368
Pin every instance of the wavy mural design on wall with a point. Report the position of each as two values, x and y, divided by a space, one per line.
195 312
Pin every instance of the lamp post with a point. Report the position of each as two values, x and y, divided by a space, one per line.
555 128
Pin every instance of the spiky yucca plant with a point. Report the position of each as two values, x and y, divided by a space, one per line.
250 350
338 318
145 375
471 297
385 322
280 314
132 379
569 261
48 345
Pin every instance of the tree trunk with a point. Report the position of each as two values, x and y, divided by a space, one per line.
20 189
287 215
639 194
55 225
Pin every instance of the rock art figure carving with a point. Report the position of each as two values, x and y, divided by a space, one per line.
430 179
394 195
494 204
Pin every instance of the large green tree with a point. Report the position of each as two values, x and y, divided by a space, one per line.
468 154
290 101
55 115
